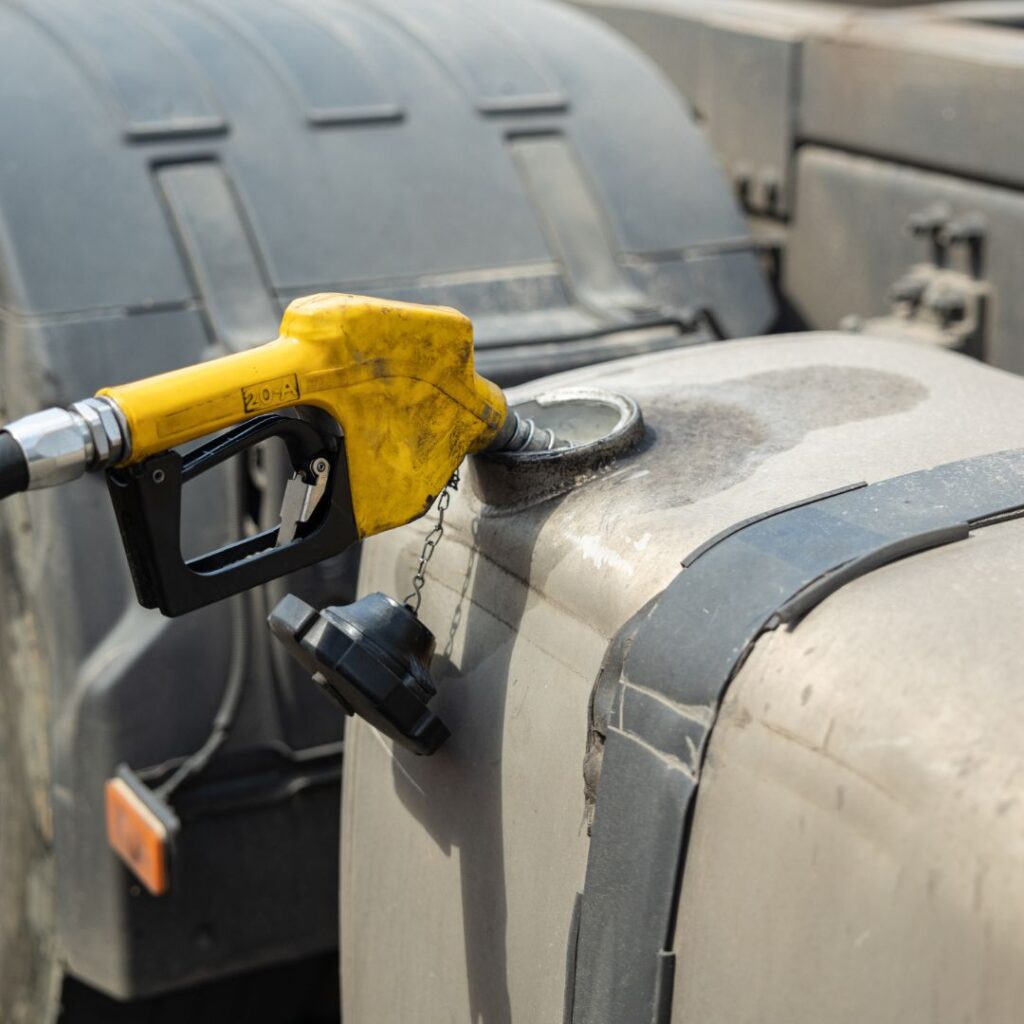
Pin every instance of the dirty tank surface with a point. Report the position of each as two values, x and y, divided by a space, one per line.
862 785
482 849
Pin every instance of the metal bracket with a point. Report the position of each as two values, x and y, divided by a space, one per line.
935 301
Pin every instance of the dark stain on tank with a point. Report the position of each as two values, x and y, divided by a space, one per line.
721 433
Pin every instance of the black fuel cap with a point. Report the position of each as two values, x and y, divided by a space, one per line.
373 658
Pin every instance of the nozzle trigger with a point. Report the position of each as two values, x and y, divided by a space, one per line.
316 518
301 499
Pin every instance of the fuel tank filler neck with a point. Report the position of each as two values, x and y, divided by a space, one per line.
556 441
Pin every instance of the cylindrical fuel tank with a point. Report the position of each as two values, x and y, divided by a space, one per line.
736 718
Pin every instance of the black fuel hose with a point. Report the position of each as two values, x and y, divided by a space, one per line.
13 467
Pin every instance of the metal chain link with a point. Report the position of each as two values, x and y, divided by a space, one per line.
415 596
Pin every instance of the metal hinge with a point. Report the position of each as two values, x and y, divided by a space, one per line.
945 299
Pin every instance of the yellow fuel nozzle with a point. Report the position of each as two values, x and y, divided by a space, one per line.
397 377
398 380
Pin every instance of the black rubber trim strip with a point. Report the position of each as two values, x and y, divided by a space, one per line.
990 518
813 594
13 467
570 960
744 523
664 986
675 667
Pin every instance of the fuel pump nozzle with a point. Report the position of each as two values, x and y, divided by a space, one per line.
377 402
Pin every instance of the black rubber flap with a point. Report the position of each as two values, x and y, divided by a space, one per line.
770 571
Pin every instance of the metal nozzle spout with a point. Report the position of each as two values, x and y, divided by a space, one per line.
520 434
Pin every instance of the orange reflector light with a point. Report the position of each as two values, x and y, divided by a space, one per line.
137 836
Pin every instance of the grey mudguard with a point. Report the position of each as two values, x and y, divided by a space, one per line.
179 172
484 848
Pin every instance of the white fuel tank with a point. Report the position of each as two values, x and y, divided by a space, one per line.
712 793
